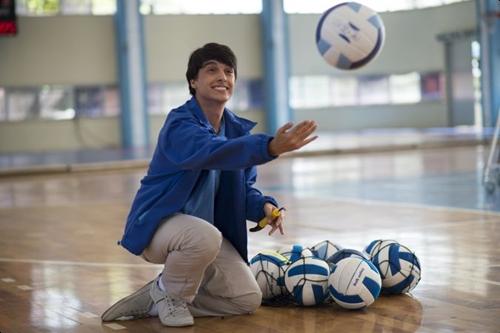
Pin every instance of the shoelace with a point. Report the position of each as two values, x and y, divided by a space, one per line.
175 306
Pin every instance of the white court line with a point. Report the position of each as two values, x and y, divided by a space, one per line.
24 287
89 315
78 263
115 326
8 280
407 205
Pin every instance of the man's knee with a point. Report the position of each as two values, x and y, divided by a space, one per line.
249 303
207 240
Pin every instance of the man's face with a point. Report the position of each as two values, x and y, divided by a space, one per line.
214 82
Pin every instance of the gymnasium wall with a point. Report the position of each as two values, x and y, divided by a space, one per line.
81 50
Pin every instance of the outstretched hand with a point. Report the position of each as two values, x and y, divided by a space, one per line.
289 137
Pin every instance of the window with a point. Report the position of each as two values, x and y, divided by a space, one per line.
327 91
431 86
22 103
310 91
96 101
405 88
76 7
255 94
201 7
373 89
344 91
319 6
3 109
56 103
37 7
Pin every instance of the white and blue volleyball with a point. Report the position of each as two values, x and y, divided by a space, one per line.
345 253
376 245
354 283
296 252
307 280
399 267
325 249
268 268
349 35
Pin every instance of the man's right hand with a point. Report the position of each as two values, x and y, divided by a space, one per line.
289 137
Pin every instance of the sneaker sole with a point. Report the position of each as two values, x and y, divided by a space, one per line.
108 315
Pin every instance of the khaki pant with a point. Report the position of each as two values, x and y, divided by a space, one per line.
203 268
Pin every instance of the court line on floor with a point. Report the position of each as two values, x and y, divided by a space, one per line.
77 263
406 205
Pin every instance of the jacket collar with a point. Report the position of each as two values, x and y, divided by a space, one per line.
230 118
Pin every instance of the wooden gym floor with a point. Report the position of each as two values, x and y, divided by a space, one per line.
60 267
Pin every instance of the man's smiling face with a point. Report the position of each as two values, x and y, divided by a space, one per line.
214 82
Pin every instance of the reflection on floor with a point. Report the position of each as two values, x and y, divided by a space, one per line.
60 267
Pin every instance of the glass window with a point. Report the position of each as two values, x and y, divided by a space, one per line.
89 101
3 109
431 86
201 7
104 7
76 7
344 91
310 91
405 88
319 6
239 100
97 101
301 6
111 104
373 89
22 103
56 103
255 94
37 7
176 94
428 3
157 96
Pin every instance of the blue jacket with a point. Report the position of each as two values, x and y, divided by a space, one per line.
187 144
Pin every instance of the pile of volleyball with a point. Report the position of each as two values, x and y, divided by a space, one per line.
327 272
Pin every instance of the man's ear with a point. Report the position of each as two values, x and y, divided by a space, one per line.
192 84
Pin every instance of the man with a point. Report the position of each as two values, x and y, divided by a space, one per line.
191 209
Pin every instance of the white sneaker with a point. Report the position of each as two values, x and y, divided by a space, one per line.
134 306
172 311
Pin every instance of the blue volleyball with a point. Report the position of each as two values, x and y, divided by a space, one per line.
325 249
268 268
307 280
296 252
345 253
399 267
349 35
354 283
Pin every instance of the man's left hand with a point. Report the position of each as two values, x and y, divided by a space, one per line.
275 222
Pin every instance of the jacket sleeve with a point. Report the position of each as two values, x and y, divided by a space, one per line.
190 146
255 199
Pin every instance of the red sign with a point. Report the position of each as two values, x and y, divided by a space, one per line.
8 24
8 28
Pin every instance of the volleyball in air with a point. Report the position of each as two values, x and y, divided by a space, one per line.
307 280
268 268
349 35
399 267
354 283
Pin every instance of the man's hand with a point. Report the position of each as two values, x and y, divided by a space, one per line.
289 137
274 222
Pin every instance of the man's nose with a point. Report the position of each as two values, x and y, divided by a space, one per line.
222 75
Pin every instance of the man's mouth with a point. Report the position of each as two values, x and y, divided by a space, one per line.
220 88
